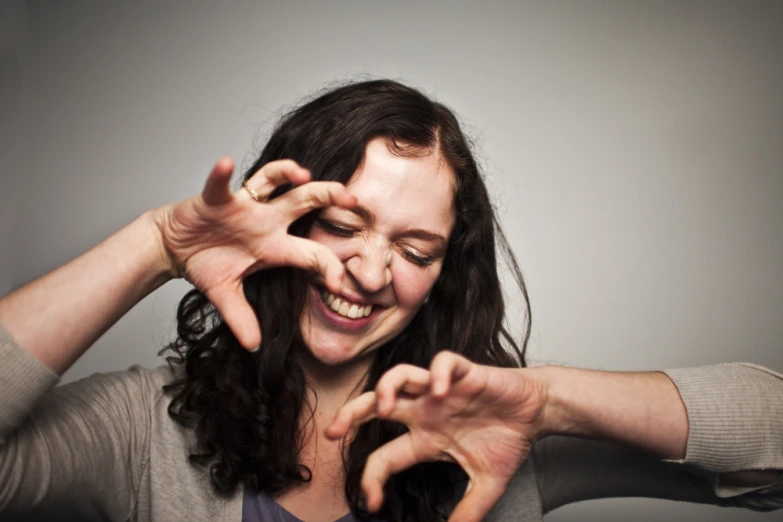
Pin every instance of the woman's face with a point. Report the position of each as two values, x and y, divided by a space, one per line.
392 245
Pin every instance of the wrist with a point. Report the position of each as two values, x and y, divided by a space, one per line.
162 262
557 415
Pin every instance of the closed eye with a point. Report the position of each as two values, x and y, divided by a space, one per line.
334 229
343 231
417 259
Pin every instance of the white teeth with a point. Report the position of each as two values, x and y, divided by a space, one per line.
344 308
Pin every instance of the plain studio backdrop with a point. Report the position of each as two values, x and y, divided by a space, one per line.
634 151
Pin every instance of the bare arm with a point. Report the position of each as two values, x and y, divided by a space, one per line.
639 408
58 316
642 409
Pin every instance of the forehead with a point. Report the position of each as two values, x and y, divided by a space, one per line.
416 190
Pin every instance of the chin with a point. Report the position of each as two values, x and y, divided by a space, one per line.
330 352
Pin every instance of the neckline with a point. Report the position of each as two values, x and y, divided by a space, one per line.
275 505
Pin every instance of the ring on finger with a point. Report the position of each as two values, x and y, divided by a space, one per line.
253 194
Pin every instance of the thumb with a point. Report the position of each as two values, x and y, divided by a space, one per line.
480 497
233 307
216 189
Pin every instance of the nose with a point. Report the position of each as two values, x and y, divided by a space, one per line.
370 266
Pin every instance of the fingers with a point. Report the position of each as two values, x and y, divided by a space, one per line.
446 369
216 189
314 195
236 311
274 174
355 412
304 199
402 378
391 458
479 499
310 255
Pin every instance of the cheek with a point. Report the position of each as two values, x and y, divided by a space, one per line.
412 284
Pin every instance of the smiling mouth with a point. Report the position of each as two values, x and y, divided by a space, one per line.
344 307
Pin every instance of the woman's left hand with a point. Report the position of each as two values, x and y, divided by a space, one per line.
484 418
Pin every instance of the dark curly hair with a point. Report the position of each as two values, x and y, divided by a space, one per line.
246 408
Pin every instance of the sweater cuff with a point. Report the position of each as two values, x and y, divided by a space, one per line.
735 416
23 381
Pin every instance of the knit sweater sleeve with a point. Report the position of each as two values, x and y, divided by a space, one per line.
735 416
83 445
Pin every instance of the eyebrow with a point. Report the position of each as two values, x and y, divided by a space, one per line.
362 213
416 233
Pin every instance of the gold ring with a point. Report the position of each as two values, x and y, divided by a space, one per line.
252 193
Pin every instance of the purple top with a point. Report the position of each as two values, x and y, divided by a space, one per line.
257 507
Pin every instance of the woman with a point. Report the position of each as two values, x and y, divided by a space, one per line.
344 350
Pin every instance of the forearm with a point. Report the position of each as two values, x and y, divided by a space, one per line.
643 409
58 316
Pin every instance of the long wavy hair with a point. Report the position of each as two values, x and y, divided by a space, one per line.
246 409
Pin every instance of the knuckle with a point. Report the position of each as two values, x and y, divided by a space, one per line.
366 481
376 461
313 260
384 382
370 398
307 199
288 166
335 189
266 169
402 367
314 200
385 389
287 162
274 169
282 163
441 358
392 376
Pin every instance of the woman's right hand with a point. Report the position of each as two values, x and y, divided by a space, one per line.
216 239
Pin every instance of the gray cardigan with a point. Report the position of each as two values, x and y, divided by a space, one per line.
105 446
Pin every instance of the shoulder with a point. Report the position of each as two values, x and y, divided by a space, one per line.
129 406
136 388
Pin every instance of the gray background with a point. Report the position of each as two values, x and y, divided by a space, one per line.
634 151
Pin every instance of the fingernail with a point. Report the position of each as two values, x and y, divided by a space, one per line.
254 350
